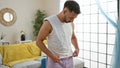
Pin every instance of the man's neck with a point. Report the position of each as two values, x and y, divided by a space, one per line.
60 17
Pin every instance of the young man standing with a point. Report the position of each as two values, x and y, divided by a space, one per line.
59 31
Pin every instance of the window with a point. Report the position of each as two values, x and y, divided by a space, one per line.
96 37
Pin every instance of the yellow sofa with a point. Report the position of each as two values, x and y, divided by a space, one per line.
23 55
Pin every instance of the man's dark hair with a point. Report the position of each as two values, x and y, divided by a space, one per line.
72 6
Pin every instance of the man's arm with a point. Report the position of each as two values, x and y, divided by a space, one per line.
43 33
74 42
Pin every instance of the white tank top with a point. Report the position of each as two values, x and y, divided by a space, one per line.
59 40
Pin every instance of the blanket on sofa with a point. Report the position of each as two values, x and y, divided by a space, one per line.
17 53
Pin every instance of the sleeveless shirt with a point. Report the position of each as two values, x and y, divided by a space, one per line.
59 40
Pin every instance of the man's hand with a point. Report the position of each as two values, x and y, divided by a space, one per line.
55 58
76 52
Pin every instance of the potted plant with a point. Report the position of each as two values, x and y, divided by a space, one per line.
37 23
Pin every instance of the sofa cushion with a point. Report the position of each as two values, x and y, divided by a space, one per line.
33 48
28 64
15 52
22 60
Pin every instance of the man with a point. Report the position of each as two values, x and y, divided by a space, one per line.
59 31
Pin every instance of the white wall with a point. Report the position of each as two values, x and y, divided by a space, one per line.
25 10
51 6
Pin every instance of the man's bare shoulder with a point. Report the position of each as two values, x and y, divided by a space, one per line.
47 25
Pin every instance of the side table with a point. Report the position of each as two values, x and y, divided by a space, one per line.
26 41
4 42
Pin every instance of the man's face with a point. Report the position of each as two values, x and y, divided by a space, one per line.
69 16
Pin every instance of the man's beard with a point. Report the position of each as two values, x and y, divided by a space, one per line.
66 20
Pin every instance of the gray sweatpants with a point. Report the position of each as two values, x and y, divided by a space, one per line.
64 63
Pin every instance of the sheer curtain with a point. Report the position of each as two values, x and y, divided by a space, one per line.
116 53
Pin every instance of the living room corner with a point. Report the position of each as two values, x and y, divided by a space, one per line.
25 13
10 35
